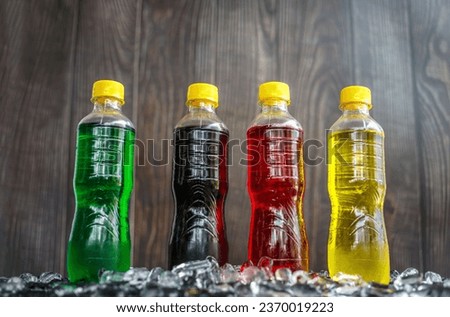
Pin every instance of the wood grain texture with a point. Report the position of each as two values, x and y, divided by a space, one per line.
431 51
35 79
52 51
383 62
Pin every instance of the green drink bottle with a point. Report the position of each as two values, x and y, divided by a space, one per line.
103 183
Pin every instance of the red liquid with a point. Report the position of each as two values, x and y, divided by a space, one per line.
276 185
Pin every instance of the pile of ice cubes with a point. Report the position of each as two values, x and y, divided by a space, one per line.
207 278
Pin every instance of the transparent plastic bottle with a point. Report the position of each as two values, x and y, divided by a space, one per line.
357 241
103 184
276 182
199 180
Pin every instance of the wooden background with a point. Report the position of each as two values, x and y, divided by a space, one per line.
52 51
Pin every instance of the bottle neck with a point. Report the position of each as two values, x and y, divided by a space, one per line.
107 105
274 106
355 109
201 107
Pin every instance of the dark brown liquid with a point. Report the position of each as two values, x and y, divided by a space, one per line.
199 186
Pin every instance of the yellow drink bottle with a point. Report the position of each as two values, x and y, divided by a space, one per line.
357 242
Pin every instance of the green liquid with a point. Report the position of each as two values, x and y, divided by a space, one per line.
103 183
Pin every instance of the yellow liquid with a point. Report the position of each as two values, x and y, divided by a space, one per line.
357 242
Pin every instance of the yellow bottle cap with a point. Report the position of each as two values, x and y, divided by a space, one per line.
274 90
199 92
103 89
355 94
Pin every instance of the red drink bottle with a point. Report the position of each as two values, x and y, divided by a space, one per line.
276 182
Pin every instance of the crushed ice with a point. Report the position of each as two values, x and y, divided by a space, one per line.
207 278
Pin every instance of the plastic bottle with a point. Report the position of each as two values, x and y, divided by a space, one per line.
276 182
357 241
103 183
199 180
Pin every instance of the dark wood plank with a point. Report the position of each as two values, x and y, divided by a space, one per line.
105 49
431 47
382 56
36 58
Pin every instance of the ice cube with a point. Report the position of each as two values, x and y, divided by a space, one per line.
111 276
375 289
198 274
447 283
205 278
228 274
49 277
431 277
212 260
254 288
154 274
251 273
265 261
347 290
169 279
349 279
200 266
409 272
324 286
284 275
301 277
394 274
407 279
268 275
136 274
29 278
245 265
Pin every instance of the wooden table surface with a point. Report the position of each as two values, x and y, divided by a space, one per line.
52 51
